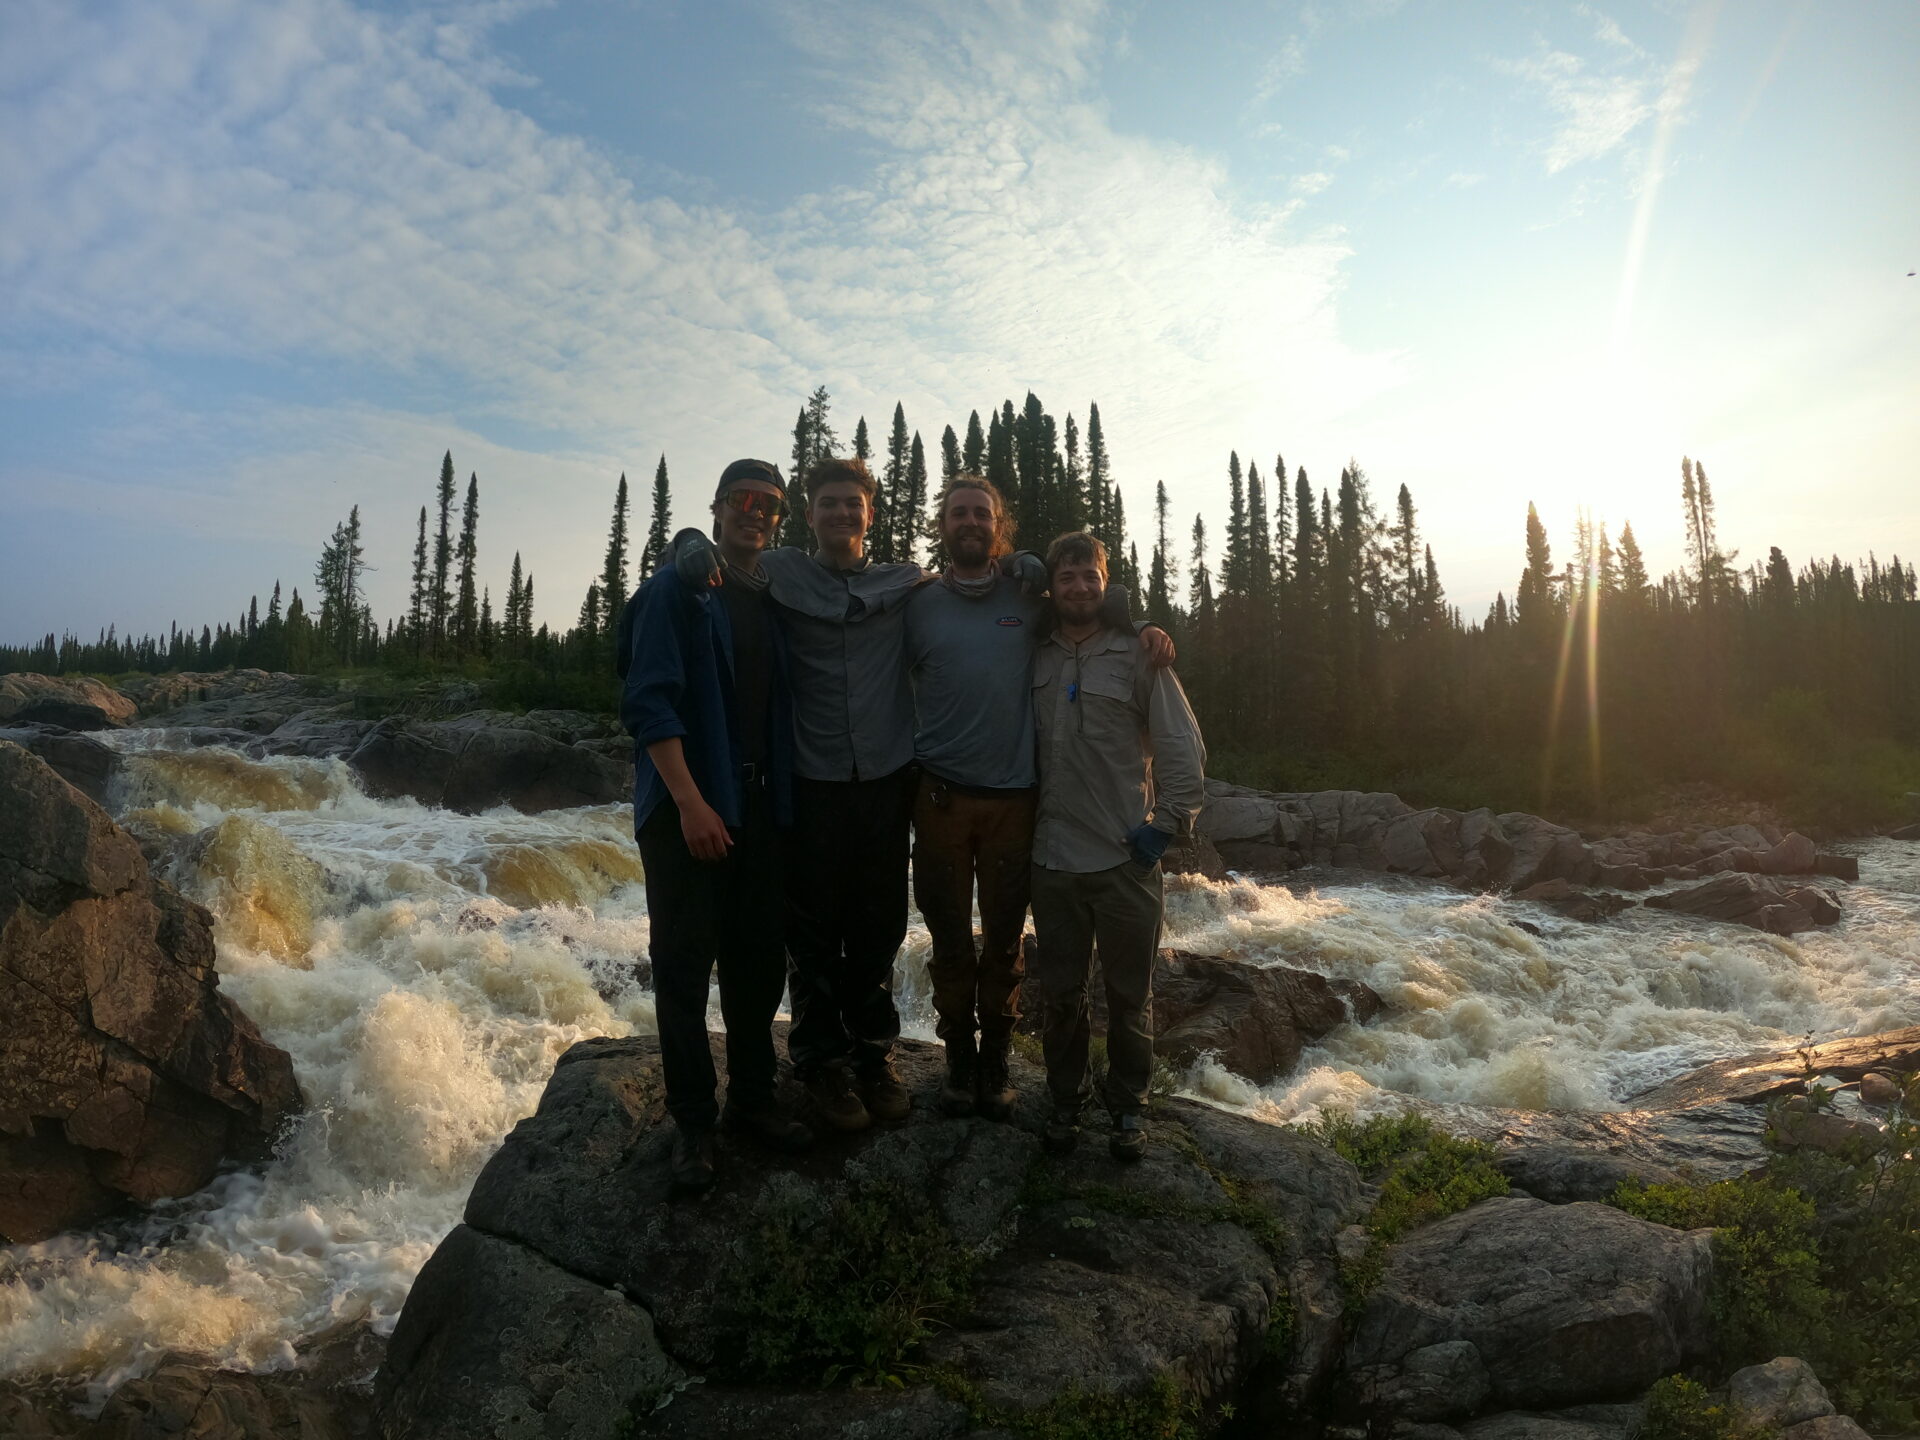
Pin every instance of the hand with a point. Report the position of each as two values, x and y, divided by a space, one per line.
1158 645
1029 569
705 832
1116 608
1148 845
696 560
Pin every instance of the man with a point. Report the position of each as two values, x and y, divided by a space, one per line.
707 700
1122 770
970 645
853 792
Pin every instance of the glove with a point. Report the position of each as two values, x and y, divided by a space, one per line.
1148 845
1114 608
1030 570
696 560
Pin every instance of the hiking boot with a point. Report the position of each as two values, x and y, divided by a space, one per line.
1062 1133
834 1097
1128 1139
992 1095
767 1125
956 1091
693 1161
886 1098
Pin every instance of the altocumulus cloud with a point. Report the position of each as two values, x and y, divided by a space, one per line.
312 183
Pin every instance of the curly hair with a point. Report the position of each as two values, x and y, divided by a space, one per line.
1002 542
1077 547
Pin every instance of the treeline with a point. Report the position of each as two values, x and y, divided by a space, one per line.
1316 639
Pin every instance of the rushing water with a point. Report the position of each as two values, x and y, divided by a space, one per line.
425 970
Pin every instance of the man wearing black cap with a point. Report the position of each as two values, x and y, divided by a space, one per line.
707 700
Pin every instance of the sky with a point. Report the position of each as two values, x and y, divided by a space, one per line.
262 263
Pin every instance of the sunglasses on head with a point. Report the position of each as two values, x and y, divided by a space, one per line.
754 502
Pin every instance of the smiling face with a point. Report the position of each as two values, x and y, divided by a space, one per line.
839 513
966 526
1079 583
747 514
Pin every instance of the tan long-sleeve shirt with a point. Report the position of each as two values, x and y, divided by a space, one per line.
1119 747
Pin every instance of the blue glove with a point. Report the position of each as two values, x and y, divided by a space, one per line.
1029 569
696 560
1147 845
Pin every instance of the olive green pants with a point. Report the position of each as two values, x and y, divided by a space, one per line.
1117 912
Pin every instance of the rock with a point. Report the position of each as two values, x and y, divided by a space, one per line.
1792 856
1840 867
1765 903
1905 832
1827 1427
1580 1422
1194 854
1784 1071
1796 1125
1560 1304
1879 1090
1777 1394
1571 903
1563 1174
182 1397
1701 1143
1087 1274
63 700
473 769
311 734
80 760
1256 1019
496 1341
124 1072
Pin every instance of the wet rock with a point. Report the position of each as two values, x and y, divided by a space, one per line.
1879 1090
1781 1072
124 1072
1698 1143
71 702
1194 854
312 734
1560 1304
1777 1394
1088 1274
1797 1125
1572 903
477 768
1579 1422
1255 1019
1840 867
1564 1174
1792 856
80 760
1905 832
1763 902
183 1397
1827 1427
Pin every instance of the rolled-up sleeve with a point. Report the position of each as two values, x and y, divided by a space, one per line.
656 670
1179 756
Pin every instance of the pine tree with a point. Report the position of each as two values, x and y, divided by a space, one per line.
949 455
417 599
862 445
1073 477
1000 456
1099 480
589 623
1159 588
486 623
914 524
516 609
442 599
973 457
1404 540
467 618
613 571
1282 525
1634 587
1200 580
1533 600
660 527
1233 564
1259 541
892 522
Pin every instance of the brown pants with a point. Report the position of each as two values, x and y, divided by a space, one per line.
959 838
1120 911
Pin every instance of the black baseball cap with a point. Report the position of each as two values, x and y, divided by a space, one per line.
759 473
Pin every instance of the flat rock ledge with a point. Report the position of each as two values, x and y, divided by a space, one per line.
579 1297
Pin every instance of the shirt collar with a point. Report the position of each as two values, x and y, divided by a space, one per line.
1096 644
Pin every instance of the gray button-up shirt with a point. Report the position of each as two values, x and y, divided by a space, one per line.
1119 747
846 638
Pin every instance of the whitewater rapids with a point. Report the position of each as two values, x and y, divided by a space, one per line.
426 969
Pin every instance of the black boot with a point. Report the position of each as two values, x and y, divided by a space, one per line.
694 1159
767 1124
956 1092
993 1096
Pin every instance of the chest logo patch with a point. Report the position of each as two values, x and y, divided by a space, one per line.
1012 622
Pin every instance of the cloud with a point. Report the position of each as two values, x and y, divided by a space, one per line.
310 188
1597 112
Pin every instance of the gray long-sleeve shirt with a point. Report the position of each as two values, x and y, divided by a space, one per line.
1119 747
846 638
970 658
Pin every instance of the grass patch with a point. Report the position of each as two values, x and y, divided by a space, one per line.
1423 1173
847 1288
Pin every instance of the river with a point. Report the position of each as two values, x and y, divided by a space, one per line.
425 969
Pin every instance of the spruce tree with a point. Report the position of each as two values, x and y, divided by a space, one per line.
1233 563
417 599
441 609
862 445
486 623
613 571
892 523
1159 596
1635 588
1000 456
660 527
516 610
949 455
1259 540
973 457
1099 478
467 619
914 524
1533 600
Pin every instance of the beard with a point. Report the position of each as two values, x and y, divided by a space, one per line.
1076 612
970 547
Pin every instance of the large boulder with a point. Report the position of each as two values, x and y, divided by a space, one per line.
474 768
72 702
1254 1019
1761 1076
124 1072
1764 902
1518 1304
80 760
579 1286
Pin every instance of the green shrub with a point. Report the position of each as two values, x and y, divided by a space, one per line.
821 1290
1423 1173
1682 1409
1164 1411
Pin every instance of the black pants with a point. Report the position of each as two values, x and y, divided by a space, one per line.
701 912
846 918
